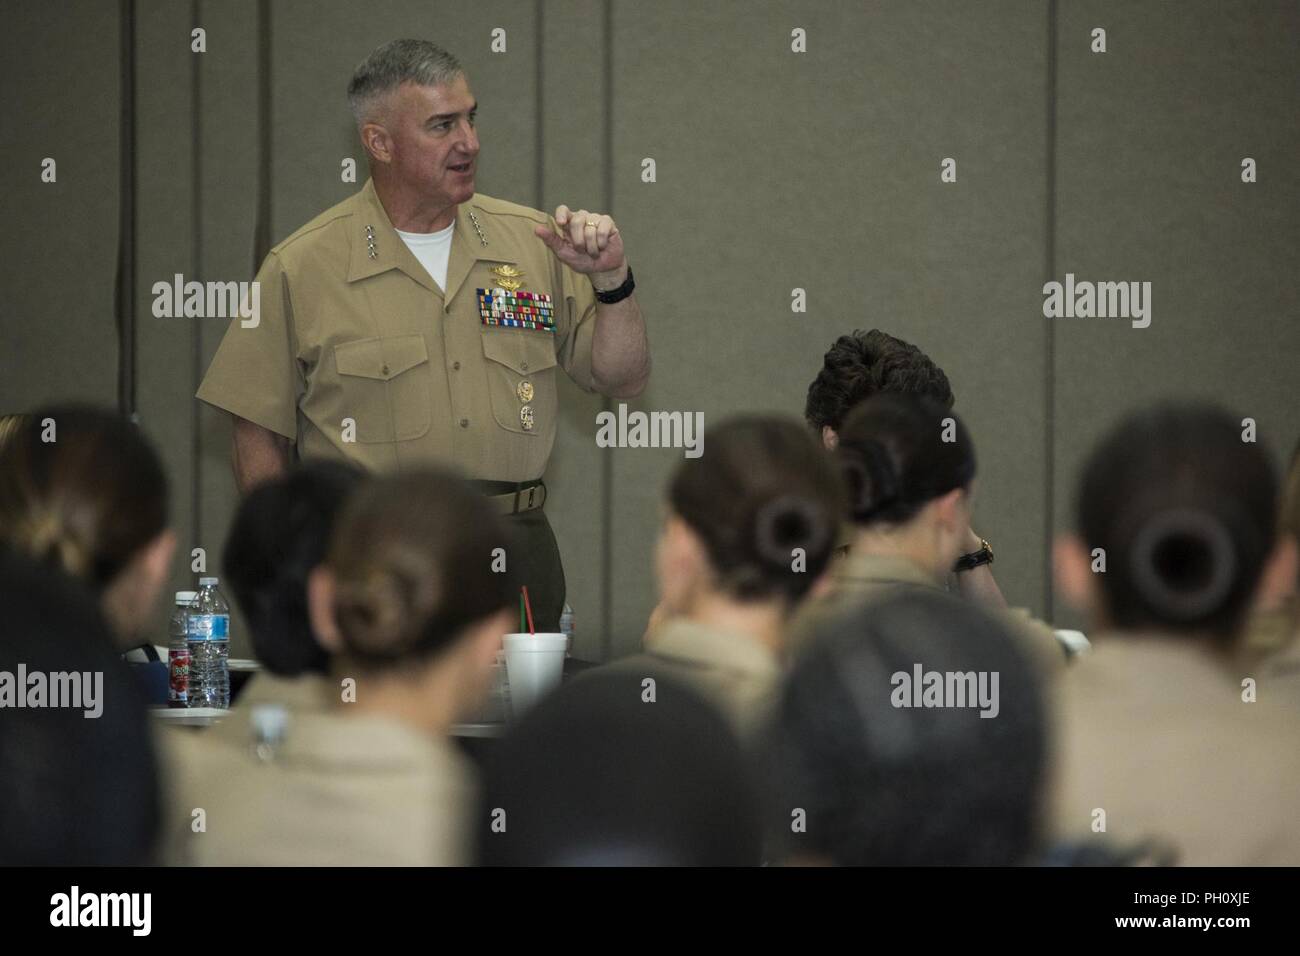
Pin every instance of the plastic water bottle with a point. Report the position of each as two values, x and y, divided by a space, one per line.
566 627
178 651
209 639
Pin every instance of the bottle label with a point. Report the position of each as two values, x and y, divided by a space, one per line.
178 675
209 627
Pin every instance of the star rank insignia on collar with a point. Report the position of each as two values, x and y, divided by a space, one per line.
477 228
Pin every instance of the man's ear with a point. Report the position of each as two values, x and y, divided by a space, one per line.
830 438
1072 569
1278 580
320 609
377 142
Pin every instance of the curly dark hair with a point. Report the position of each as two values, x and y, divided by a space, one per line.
863 364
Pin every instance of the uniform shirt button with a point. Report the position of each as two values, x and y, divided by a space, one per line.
464 423
384 370
523 366
456 366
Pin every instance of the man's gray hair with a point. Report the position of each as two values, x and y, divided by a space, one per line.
393 64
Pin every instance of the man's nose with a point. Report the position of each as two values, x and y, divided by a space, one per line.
469 139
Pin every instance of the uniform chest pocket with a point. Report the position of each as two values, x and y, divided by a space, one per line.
384 387
521 379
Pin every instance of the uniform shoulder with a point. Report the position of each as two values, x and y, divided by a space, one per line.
500 207
315 230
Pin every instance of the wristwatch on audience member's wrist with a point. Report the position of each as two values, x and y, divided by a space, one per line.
617 294
973 560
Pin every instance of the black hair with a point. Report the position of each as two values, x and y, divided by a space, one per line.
596 775
1184 511
864 364
763 488
414 557
898 453
881 784
280 533
82 490
75 790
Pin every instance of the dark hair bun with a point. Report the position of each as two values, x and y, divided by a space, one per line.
1184 563
869 476
788 522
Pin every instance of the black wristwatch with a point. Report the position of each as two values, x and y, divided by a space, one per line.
973 560
619 294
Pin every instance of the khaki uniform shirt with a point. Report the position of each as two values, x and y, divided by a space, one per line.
861 576
352 327
342 790
730 670
1156 734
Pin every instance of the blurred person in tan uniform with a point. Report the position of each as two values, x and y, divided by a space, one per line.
421 322
909 467
748 529
411 613
1163 735
83 491
279 536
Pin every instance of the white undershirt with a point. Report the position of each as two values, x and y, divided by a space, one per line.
432 249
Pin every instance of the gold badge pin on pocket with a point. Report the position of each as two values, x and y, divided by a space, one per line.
525 391
526 417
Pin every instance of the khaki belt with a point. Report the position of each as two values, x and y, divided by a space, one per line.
510 497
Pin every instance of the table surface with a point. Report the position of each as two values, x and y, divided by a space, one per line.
207 716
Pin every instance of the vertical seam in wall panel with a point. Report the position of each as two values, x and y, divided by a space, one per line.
539 35
126 217
607 463
1049 470
262 230
196 264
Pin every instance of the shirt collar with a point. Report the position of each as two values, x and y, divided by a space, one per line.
861 568
695 643
371 229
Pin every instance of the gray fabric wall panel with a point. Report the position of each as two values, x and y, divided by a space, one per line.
1152 134
573 135
60 67
821 171
164 231
227 209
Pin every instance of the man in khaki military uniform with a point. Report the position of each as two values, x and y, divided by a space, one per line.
420 321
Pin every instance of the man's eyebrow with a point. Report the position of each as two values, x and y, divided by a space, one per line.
446 116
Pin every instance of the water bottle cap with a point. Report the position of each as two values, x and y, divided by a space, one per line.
186 597
204 582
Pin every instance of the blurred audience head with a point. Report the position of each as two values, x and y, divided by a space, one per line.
1182 512
280 534
596 775
864 364
410 592
879 768
78 782
737 514
83 490
909 467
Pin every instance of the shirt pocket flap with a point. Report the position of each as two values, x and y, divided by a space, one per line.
520 350
381 358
